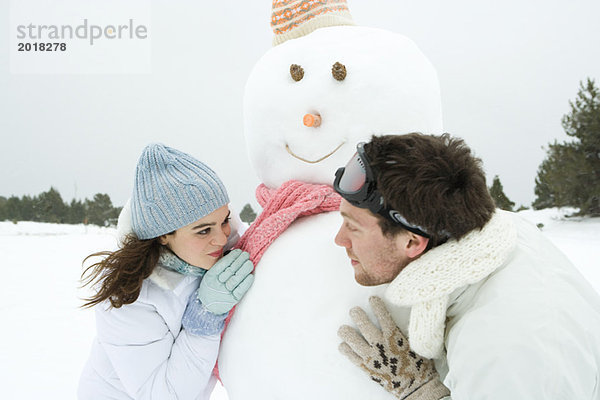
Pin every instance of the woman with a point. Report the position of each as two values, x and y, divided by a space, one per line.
161 299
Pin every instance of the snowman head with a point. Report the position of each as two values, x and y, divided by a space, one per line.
310 100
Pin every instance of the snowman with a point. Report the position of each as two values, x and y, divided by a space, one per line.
326 85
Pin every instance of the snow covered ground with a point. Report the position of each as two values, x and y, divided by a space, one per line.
46 338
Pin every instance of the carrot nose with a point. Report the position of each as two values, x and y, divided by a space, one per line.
313 120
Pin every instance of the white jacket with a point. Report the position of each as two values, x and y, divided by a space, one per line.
141 352
507 316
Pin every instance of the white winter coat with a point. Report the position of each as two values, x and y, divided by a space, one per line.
529 328
141 352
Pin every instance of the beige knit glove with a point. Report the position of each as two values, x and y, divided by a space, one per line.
385 355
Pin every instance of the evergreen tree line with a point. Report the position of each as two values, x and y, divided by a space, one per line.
570 173
50 207
568 176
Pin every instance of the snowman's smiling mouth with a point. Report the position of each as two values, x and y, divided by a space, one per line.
287 147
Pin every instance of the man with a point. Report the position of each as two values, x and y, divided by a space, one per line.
500 310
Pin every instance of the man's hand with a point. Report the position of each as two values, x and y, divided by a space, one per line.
224 285
386 356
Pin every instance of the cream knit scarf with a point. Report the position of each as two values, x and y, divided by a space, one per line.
426 283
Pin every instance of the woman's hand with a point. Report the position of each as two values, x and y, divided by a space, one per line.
224 285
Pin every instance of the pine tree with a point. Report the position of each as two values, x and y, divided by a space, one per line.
247 214
13 208
556 182
27 207
583 123
76 212
50 207
497 192
3 201
100 210
570 174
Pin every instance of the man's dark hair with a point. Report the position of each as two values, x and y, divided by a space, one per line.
433 181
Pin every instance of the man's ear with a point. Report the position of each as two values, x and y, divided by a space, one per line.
416 245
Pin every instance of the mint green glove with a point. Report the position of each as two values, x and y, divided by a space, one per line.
224 285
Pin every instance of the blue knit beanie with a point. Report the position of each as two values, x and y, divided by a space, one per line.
171 190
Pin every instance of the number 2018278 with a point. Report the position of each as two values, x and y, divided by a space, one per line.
41 46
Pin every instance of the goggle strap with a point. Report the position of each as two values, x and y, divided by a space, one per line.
397 218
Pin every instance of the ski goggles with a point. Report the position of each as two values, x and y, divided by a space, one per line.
356 183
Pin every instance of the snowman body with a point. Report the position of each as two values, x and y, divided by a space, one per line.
282 341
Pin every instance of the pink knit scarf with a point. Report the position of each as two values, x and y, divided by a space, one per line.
281 207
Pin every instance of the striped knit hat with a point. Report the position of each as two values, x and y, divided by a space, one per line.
292 19
171 190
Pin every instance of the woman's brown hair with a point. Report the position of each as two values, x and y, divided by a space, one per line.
120 274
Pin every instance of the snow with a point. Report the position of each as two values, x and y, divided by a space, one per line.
46 337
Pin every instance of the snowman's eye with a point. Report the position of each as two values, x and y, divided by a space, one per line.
338 70
296 72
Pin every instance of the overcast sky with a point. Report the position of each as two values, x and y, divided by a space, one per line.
507 71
